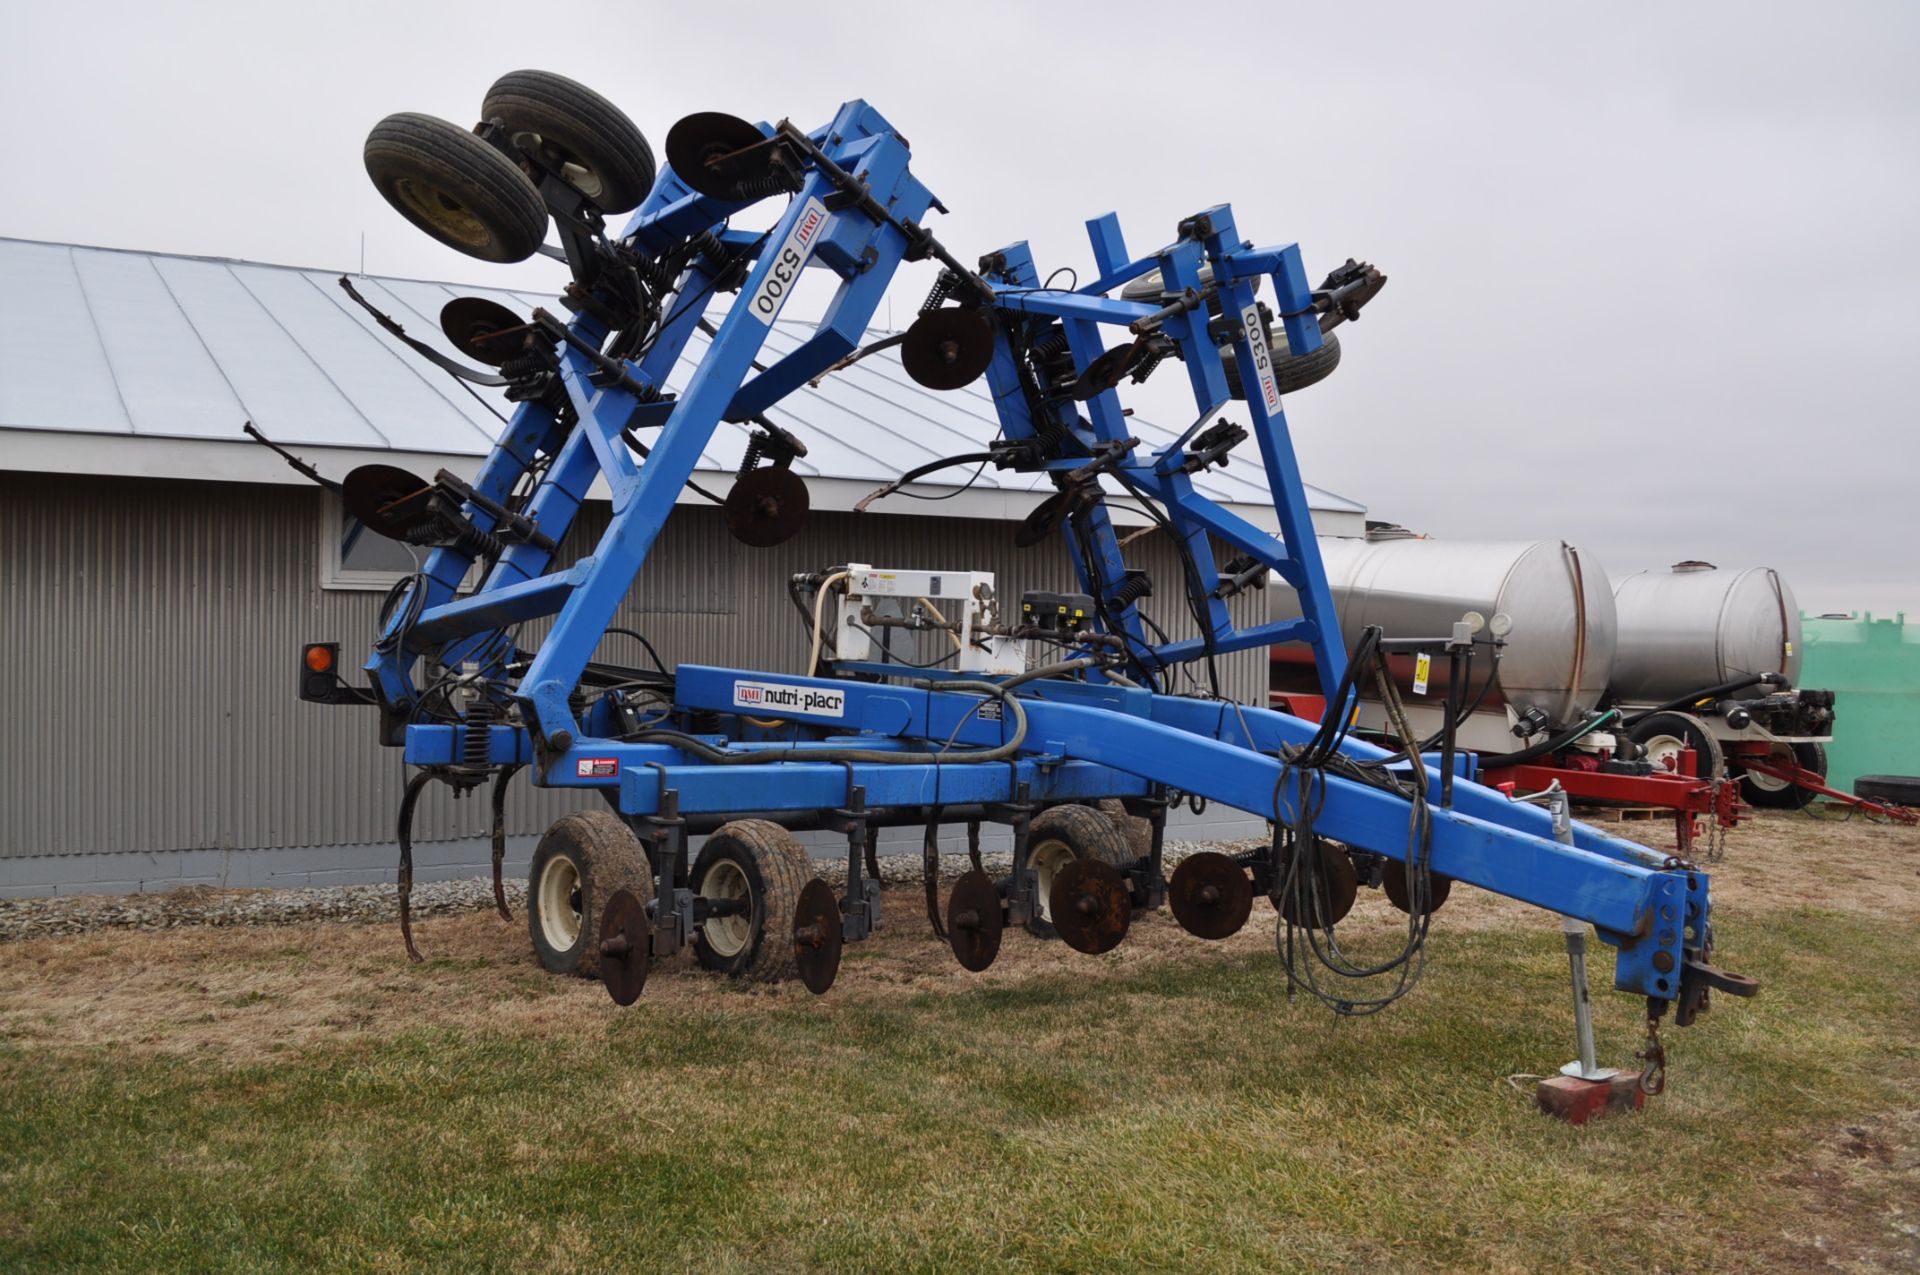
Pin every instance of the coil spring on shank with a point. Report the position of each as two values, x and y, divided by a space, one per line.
481 714
943 288
751 459
1137 585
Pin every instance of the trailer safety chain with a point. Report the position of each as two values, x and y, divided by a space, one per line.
1653 1076
1717 835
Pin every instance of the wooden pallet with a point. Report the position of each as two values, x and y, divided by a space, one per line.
1622 814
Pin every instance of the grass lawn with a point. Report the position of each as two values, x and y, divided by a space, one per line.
302 1098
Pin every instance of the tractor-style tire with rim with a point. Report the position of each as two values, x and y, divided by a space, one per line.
1769 793
571 129
1062 834
455 187
761 864
1289 373
581 860
1666 735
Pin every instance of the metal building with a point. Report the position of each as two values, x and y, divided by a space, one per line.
158 571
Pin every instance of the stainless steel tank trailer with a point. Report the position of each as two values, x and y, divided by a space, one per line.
1709 659
996 730
1527 692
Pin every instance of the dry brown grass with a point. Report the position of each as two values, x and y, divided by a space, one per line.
246 994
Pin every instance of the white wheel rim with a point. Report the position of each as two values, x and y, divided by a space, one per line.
1773 783
559 916
578 175
727 936
1665 750
1047 859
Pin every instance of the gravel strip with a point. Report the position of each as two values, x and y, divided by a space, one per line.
204 905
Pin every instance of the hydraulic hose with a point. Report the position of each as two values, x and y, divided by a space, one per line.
1721 691
1553 745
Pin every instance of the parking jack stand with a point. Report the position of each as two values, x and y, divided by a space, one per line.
1583 1089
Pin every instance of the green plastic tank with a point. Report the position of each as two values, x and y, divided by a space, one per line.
1873 668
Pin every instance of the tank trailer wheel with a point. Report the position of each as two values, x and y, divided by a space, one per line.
1665 735
1062 835
759 869
455 187
582 860
569 128
1769 793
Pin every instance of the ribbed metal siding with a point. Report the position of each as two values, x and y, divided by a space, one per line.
150 632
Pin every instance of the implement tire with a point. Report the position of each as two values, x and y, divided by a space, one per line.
571 129
455 187
758 863
1289 373
581 860
1062 834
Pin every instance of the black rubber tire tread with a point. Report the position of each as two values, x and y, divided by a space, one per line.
1137 830
1708 761
777 868
1087 832
1792 797
1902 789
1290 374
594 130
445 156
608 857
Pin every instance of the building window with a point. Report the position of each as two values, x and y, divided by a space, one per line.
352 557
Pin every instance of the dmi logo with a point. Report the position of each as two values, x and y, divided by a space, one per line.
1262 357
781 697
788 262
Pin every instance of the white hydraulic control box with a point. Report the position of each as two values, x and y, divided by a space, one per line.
938 620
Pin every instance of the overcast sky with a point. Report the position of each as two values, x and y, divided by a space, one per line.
1654 267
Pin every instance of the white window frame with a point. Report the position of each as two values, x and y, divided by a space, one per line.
334 574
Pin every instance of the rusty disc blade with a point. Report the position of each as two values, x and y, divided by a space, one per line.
1090 906
767 507
1107 371
1393 883
1316 901
1211 895
975 919
818 936
720 155
626 947
387 500
946 349
476 326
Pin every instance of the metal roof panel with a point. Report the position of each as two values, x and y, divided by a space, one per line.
100 340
